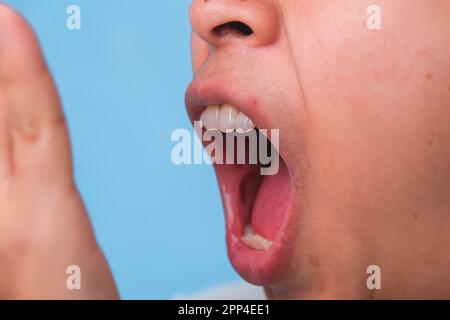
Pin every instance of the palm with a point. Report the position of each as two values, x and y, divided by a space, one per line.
44 227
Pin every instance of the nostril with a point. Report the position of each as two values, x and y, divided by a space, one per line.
233 28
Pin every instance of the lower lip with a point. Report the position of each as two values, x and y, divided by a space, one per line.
263 268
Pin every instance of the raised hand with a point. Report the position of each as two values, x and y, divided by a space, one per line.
44 227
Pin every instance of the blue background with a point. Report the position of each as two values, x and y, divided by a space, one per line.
122 79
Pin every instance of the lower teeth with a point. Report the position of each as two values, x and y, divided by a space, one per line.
255 241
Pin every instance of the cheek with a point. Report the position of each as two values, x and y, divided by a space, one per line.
377 100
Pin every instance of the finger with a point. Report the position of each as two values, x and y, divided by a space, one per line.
5 151
39 134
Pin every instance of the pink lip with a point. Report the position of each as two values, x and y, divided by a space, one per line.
213 91
262 268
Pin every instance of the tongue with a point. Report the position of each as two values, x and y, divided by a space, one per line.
272 203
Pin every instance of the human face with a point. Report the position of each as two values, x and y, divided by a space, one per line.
364 141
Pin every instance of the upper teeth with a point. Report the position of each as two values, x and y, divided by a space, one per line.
225 118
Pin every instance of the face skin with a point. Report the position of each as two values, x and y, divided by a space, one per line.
364 130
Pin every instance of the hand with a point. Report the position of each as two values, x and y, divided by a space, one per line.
44 227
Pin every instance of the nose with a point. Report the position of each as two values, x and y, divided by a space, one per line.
253 23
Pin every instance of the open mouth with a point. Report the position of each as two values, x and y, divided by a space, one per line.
262 199
257 205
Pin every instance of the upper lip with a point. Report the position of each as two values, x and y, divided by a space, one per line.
203 92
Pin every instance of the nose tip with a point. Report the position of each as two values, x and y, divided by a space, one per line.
254 23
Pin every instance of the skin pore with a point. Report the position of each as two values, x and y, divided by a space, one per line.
364 118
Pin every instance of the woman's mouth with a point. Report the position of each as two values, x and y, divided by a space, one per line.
257 205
